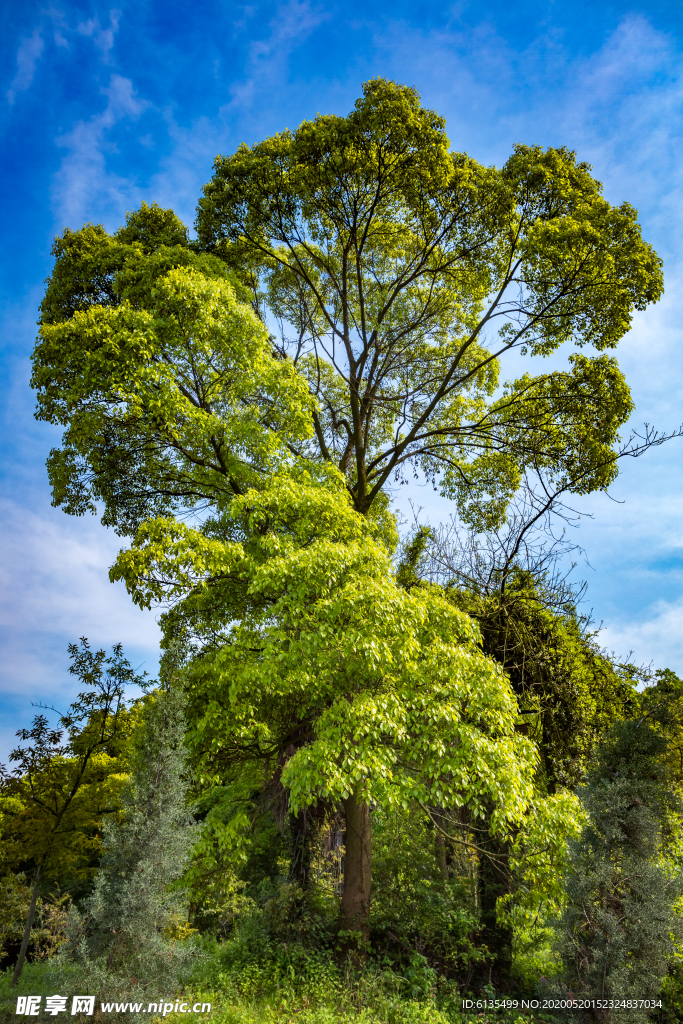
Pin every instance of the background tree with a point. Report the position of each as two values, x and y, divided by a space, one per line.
620 921
61 790
15 894
424 919
569 693
661 706
568 690
123 941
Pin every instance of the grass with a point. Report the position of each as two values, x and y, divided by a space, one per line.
253 980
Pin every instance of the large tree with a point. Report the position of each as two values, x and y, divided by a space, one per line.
339 684
398 272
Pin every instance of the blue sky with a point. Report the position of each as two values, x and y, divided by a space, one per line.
103 106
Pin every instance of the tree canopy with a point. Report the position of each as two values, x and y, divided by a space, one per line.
166 386
401 272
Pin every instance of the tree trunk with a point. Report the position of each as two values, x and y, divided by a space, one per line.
355 904
441 856
19 966
494 882
304 832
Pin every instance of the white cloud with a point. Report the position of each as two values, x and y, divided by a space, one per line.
656 637
54 588
28 55
83 183
53 581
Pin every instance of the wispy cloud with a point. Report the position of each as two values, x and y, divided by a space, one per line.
83 182
187 165
623 109
619 106
59 25
269 54
103 38
28 54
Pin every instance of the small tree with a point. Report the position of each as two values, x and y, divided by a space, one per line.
618 928
123 939
60 790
